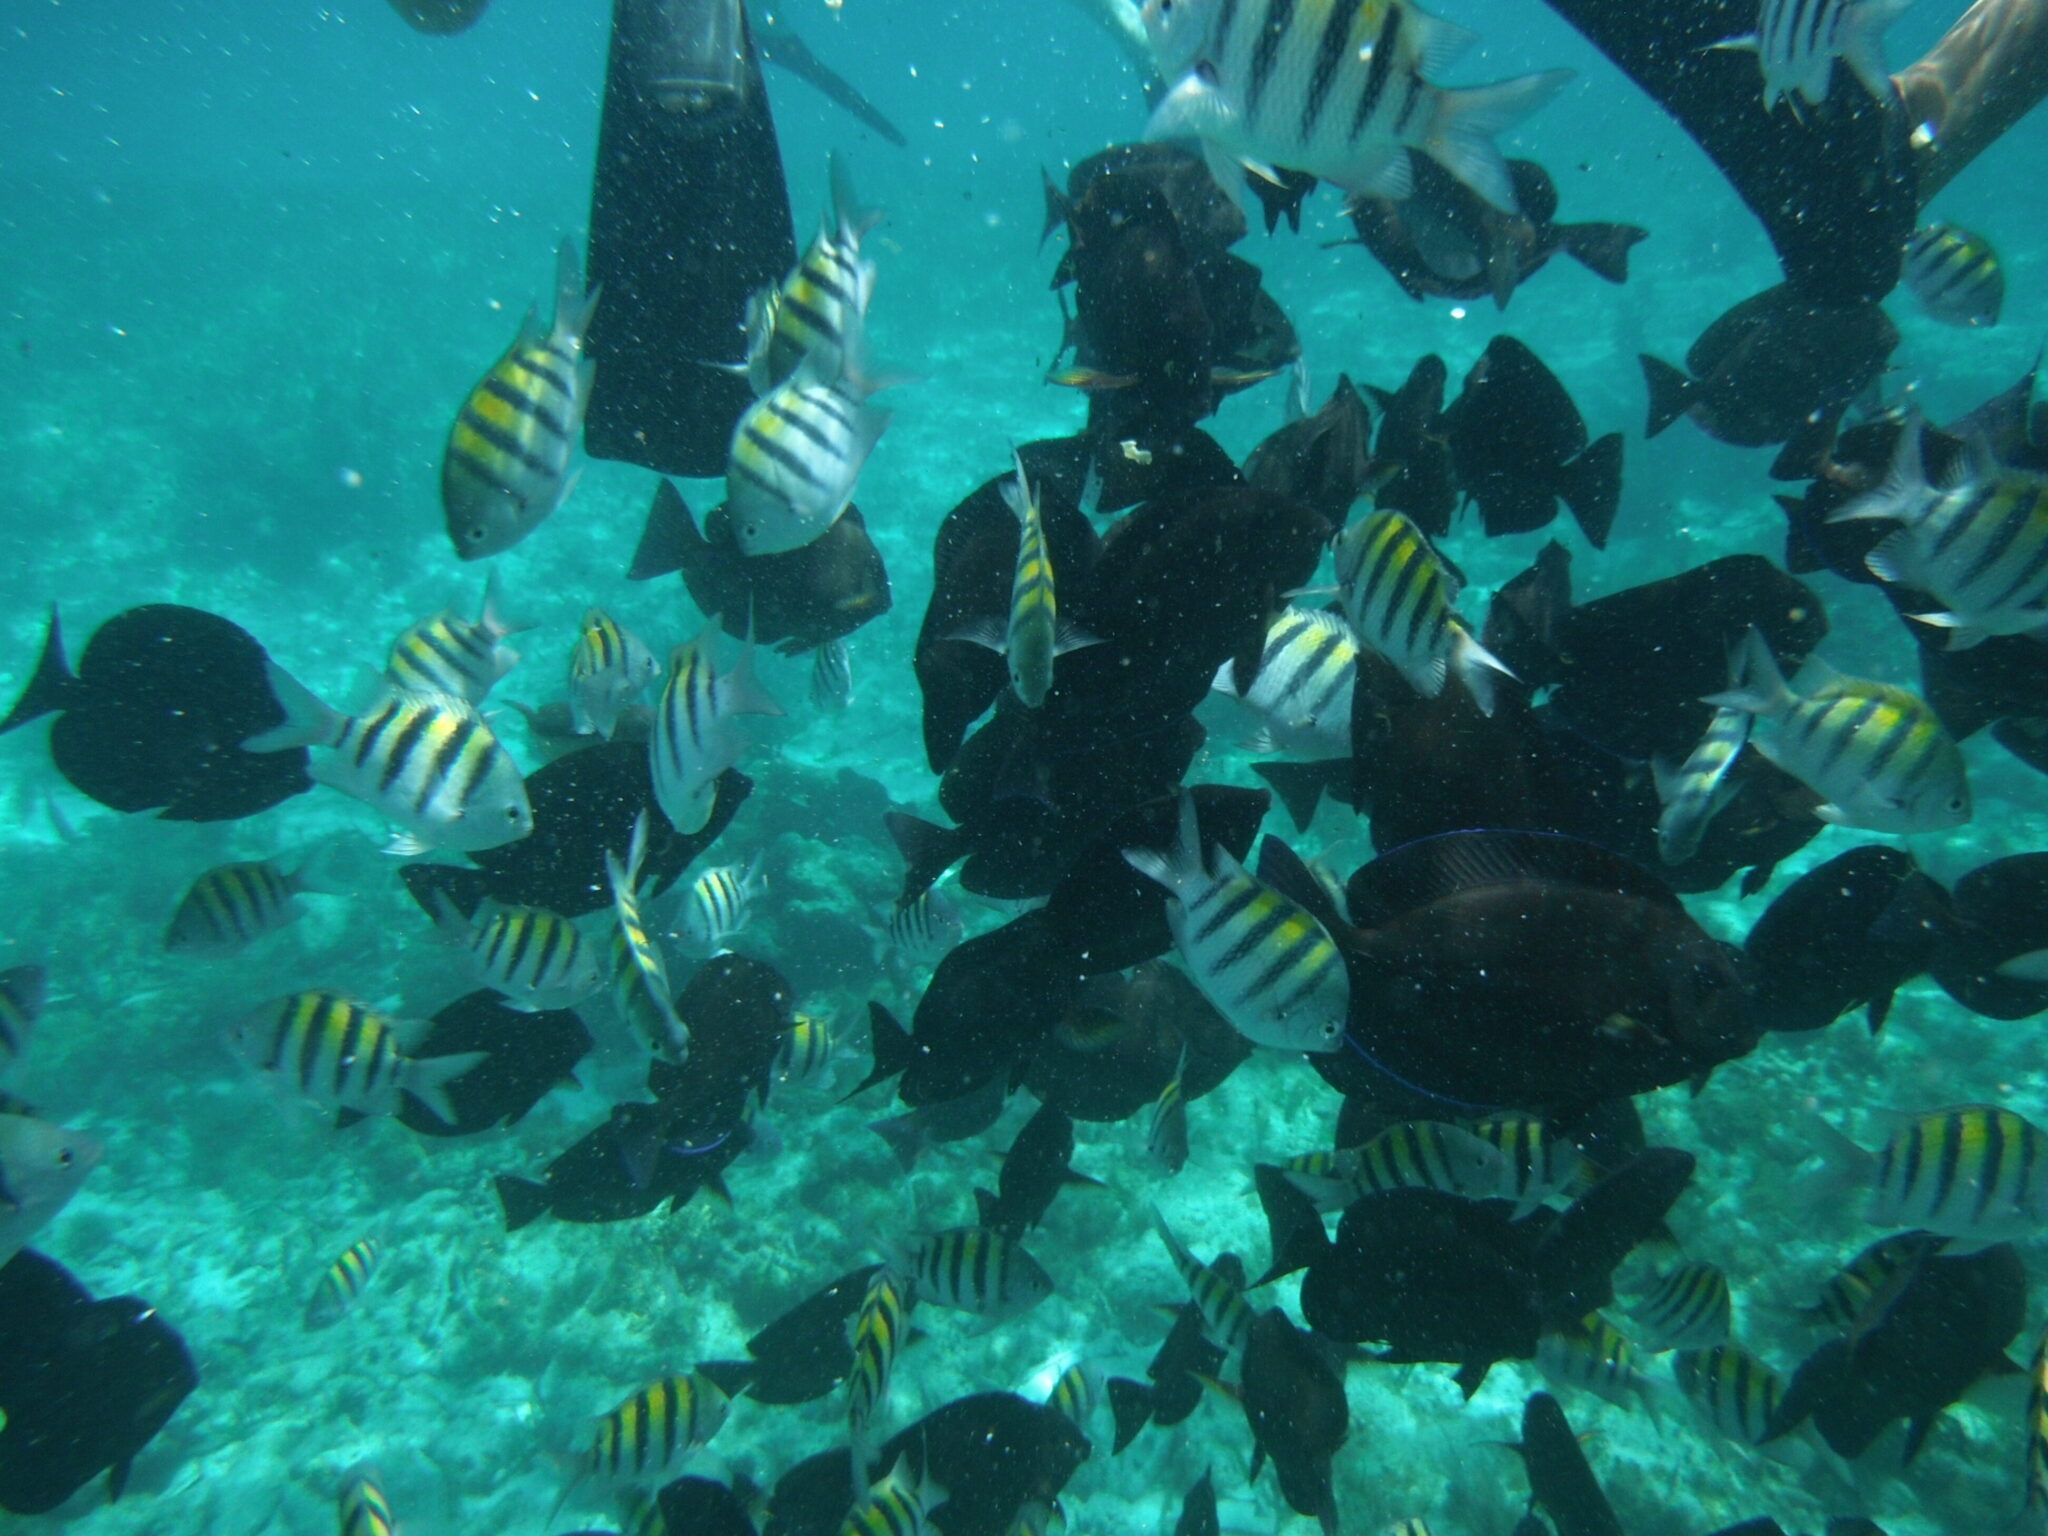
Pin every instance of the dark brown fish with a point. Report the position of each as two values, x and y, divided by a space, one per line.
1412 435
1845 934
1519 446
1323 461
1293 1398
1561 1484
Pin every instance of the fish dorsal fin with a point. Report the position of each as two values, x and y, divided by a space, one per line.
1433 868
1282 869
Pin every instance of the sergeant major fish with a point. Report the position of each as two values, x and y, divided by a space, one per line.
1420 1154
1397 595
695 739
1797 42
1226 1315
976 1270
1035 637
427 762
1302 691
1592 1353
639 973
1738 1394
1536 1165
796 455
1259 956
1977 1174
449 654
334 1050
880 1330
899 1505
719 903
820 309
230 906
608 668
831 677
362 1509
1876 755
1335 89
1956 276
342 1283
645 1436
1690 1308
1697 791
507 463
534 958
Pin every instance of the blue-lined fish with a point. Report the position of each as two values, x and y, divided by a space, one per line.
1797 42
535 958
1302 694
796 455
807 1051
608 668
1978 544
820 310
1226 1315
363 1510
831 677
1167 1138
1591 1353
651 1431
426 762
1690 1308
898 1505
24 989
880 1330
1259 957
1336 89
1876 755
1397 595
1536 1166
1415 1154
453 655
976 1270
719 902
924 928
333 1049
1697 791
1738 1393
2037 1432
1035 637
695 736
1978 1174
342 1283
1956 276
507 462
640 982
230 906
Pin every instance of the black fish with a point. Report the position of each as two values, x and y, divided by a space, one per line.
1519 446
584 806
84 1384
1773 368
812 1498
1445 239
1293 1397
992 1452
795 601
703 1507
1560 1482
156 715
1323 461
1174 1389
1526 970
1525 616
1412 435
1198 1509
634 1163
1945 1327
785 50
440 18
1294 1226
1160 1014
957 1119
738 1011
1035 1170
1846 933
1281 196
1997 912
989 1003
529 1055
805 1353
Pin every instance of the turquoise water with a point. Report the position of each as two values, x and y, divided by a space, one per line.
251 257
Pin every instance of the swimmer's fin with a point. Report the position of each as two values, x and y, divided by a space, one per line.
689 216
1833 185
785 50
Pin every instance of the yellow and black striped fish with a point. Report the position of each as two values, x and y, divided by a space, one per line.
1167 1140
976 1270
231 906
1690 1308
898 1505
333 1049
507 462
1737 1392
719 904
1226 1315
1034 637
1592 1353
650 1431
695 737
2037 1431
820 309
607 668
1956 276
639 973
1842 1300
533 957
1538 1166
880 1330
1302 693
1397 595
1698 790
362 1509
807 1051
23 991
1074 1394
341 1283
1416 1154
796 455
1977 1173
453 655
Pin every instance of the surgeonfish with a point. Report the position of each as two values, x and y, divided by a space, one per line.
1302 693
1690 1308
898 1505
342 1283
640 981
532 956
1738 1393
649 1433
1698 790
979 1271
831 677
695 738
719 902
1876 755
507 463
229 907
1797 42
1956 276
1334 90
449 654
1977 1174
362 1509
334 1050
608 668
820 310
41 1168
1259 957
1397 595
1226 1315
1035 636
23 991
426 762
1978 542
797 453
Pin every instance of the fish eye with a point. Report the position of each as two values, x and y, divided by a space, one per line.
65 1157
474 535
1956 804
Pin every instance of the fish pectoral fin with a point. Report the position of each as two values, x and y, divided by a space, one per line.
405 845
1072 637
989 633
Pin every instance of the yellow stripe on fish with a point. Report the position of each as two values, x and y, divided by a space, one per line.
651 1431
1398 595
362 1509
1737 1392
1977 1173
1226 1315
342 1283
879 1333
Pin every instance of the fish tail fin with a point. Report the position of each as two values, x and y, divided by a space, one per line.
1591 486
493 621
573 306
1671 392
307 721
1755 684
1183 1261
427 1080
319 871
50 687
848 216
1462 126
1172 867
1862 41
742 691
1477 667
670 540
1602 249
905 1135
524 1200
1905 484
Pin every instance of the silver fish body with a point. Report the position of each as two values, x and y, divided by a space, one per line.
696 736
976 1270
1303 690
719 903
608 668
795 458
1690 1308
640 981
1398 597
464 658
831 678
334 1050
1797 42
41 1167
820 310
342 1283
1736 1392
1698 790
1956 275
1976 1174
533 957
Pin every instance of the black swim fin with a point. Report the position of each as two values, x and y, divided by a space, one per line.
689 217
